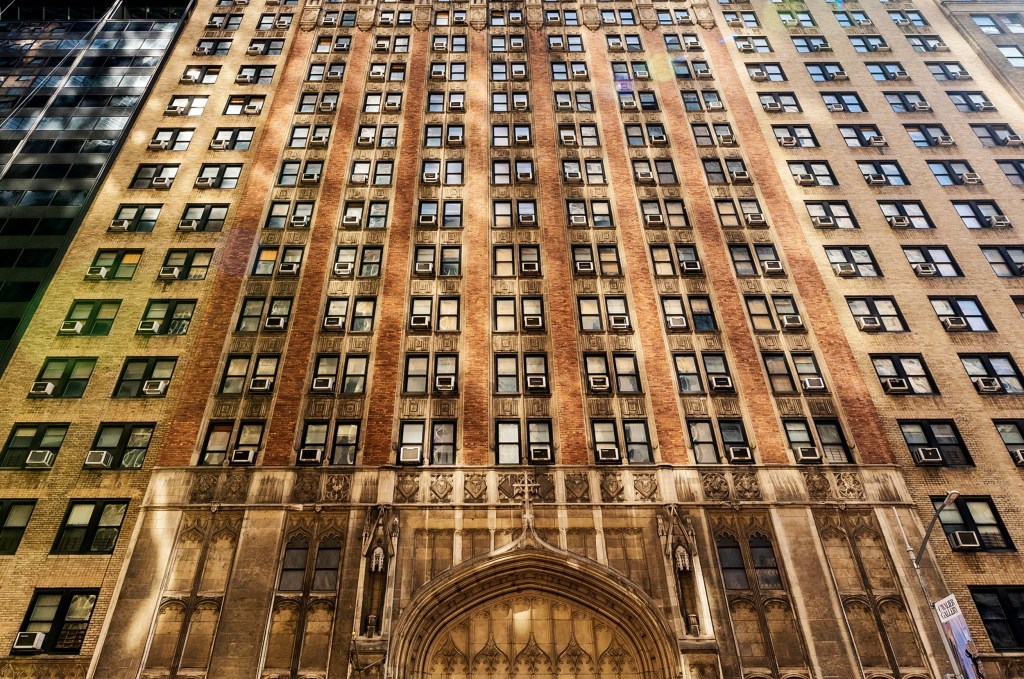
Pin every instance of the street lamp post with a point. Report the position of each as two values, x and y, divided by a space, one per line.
915 561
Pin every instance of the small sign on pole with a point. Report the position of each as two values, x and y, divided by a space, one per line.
954 626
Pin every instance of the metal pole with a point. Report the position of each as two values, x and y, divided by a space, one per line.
954 662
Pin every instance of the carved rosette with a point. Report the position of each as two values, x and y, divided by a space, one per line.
577 487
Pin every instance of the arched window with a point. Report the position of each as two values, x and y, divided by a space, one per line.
293 569
328 558
731 559
766 568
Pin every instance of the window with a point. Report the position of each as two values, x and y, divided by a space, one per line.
1012 434
857 136
980 214
976 514
924 135
154 177
173 139
906 214
136 218
90 527
853 260
186 106
887 70
144 377
191 265
218 176
876 314
831 214
114 265
826 72
907 18
925 437
167 317
763 310
801 436
852 18
971 102
14 517
1002 611
766 72
90 317
927 43
63 377
961 313
260 75
271 47
813 43
903 374
779 102
244 104
812 173
1014 171
882 173
125 444
25 438
203 217
61 616
868 43
947 70
705 445
993 373
934 260
995 134
1013 54
205 75
795 135
953 172
764 260
906 102
1006 260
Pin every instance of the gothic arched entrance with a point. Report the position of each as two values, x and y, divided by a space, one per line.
533 613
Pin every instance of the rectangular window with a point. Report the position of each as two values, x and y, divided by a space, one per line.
1002 612
14 517
90 527
63 377
935 442
972 524
125 445
33 446
62 617
903 374
145 377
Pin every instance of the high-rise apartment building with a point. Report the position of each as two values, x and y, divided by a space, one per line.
74 75
597 339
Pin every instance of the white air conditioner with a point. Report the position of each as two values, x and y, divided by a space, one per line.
254 51
533 322
314 177
536 382
568 138
219 144
691 268
334 322
275 322
310 456
676 322
521 105
615 44
343 268
772 267
876 179
41 389
365 140
755 219
563 105
573 176
618 322
791 322
740 177
644 176
693 45
999 221
71 328
823 222
961 75
98 459
529 268
410 455
431 177
154 387
205 182
323 384
329 20
869 323
598 383
651 220
327 106
739 454
845 269
578 220
730 140
169 273
288 268
970 178
899 75
282 24
201 51
335 75
96 273
927 456
456 105
175 111
807 455
299 221
878 141
895 385
444 383
394 105
524 176
769 107
455 139
158 145
805 179
423 268
1013 140
39 459
627 104
148 327
965 540
119 225
541 453
351 219
243 456
243 79
720 106
812 384
925 269
319 140
720 383
161 182
527 219
608 454
988 385
252 109
836 108
261 384
419 321
428 220
584 267
758 76
1017 455
955 324
29 641
922 106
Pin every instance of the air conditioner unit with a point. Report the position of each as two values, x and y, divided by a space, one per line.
169 273
158 145
419 321
161 182
615 44
39 459
334 322
96 273
970 178
533 321
772 267
878 141
812 384
410 455
568 138
899 222
895 385
98 459
1017 455
275 322
521 105
319 140
925 269
618 322
71 328
119 225
252 109
541 453
351 219
771 107
944 140
821 47
365 140
580 75
213 25
219 145
323 384
536 383
254 51
876 179
720 106
807 455
922 106
527 219
955 324
927 456
423 268
863 22
524 176
444 383
431 177
758 76
755 219
627 104
261 384
787 142
243 79
693 45
702 73
299 221
805 179
836 108
175 111
653 220
440 45
598 383
1013 140
201 51
644 176
661 140
310 455
529 268
29 641
584 267
154 387
869 323
739 454
148 327
729 140
965 540
456 105
999 221
205 182
720 383
574 177
327 106
386 21
41 389
988 385
335 75
740 177
845 269
243 456
288 268
282 24
791 322
329 20
823 222
428 220
940 47
691 268
676 322
455 139
578 220
608 454
563 105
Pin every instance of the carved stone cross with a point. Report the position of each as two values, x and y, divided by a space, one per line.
527 485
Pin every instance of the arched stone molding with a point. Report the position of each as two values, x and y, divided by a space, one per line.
536 569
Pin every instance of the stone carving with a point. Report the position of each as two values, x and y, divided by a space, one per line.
848 485
746 486
715 485
449 658
236 487
577 487
818 486
204 487
508 491
441 488
42 670
306 488
533 659
338 487
407 487
611 487
544 487
573 659
475 488
490 657
646 487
